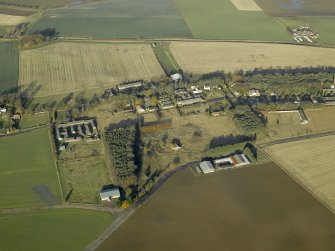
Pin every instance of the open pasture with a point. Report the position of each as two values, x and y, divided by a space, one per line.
9 65
283 125
220 19
83 171
28 175
53 229
311 162
29 120
7 20
204 57
253 208
117 19
297 7
68 67
321 119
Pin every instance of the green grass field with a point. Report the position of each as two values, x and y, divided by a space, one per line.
166 58
28 174
28 120
221 19
83 172
117 19
9 66
324 25
52 230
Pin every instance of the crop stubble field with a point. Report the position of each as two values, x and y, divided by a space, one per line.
312 163
28 175
67 67
204 57
258 207
53 229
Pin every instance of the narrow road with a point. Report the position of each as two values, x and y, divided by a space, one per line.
298 138
126 214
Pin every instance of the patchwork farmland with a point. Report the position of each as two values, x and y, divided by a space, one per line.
67 67
204 57
28 175
311 162
53 229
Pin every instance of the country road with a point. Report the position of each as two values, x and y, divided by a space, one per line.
297 138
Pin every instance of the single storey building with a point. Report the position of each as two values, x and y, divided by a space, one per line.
109 194
206 167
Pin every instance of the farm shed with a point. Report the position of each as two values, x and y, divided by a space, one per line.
240 160
110 194
206 167
176 77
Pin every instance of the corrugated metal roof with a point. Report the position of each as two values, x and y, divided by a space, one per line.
110 193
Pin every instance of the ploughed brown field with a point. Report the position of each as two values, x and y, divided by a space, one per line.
253 208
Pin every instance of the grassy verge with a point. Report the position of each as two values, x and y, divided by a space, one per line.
166 58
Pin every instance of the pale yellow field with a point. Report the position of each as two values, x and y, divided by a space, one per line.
311 162
204 57
11 20
247 5
66 67
321 119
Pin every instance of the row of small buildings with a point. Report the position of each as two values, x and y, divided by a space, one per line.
76 131
223 163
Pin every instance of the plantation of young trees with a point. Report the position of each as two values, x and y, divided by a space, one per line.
246 120
121 146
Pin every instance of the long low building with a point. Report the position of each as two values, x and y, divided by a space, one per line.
109 194
206 167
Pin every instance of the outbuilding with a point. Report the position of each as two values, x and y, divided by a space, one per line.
109 194
206 167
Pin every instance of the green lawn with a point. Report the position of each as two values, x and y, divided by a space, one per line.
28 175
166 58
324 25
9 65
52 230
221 19
28 120
117 19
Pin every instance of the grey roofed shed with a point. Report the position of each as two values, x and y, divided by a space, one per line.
110 194
206 167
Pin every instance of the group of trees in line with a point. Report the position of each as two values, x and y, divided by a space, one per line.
21 5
